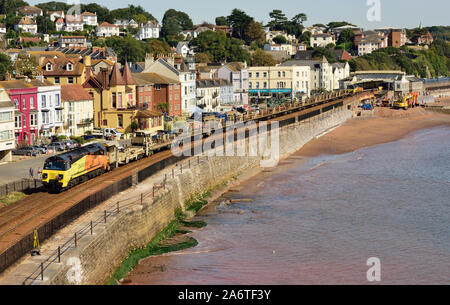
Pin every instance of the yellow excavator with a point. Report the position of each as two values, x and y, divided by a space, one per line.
408 101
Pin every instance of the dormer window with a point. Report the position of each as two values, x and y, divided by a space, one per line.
48 67
69 67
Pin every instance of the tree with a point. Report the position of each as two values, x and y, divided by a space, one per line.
25 66
336 24
127 48
163 107
202 58
140 18
158 47
5 65
134 126
175 21
9 6
45 25
346 35
255 33
261 58
278 21
222 20
220 47
305 37
239 21
280 39
128 13
299 18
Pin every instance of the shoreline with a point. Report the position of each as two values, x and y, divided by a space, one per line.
385 126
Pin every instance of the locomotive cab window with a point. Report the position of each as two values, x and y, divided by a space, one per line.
59 165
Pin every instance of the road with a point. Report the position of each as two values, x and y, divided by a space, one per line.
20 169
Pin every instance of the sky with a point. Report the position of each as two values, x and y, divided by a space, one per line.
395 13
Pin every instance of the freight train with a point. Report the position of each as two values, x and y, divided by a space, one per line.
68 169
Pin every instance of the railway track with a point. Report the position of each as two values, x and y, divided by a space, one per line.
38 208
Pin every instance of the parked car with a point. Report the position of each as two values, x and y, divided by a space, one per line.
26 151
56 146
40 148
88 137
70 144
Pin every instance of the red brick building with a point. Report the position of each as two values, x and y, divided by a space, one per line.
153 89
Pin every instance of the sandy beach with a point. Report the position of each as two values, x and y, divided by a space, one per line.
385 126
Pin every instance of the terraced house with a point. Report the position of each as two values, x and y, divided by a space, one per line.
114 94
7 143
78 114
64 70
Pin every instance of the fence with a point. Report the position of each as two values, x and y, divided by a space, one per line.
112 210
23 185
25 245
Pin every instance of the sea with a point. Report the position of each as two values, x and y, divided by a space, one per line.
321 220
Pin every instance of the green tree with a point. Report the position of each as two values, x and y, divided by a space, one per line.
261 58
45 25
5 65
255 33
279 39
134 126
239 21
140 18
163 107
222 20
202 58
278 21
25 65
175 21
10 6
346 35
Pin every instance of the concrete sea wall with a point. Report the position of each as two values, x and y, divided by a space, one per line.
97 255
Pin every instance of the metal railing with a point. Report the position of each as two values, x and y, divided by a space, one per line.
112 210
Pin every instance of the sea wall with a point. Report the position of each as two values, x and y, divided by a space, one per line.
98 255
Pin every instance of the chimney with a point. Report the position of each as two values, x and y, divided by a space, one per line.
148 60
87 61
104 77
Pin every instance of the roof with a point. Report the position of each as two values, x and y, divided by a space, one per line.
106 24
88 14
60 20
206 83
127 76
153 78
116 77
22 84
26 21
74 93
145 114
311 63
29 9
74 19
59 66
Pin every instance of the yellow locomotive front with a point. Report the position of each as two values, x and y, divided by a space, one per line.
54 174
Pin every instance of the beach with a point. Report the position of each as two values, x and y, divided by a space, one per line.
386 125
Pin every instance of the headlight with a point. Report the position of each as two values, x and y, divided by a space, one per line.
60 177
44 176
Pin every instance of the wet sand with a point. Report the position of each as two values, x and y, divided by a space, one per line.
387 125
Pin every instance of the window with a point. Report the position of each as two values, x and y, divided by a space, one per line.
249 74
279 74
120 120
31 102
250 85
265 74
119 102
69 67
114 100
48 67
257 74
33 119
24 104
57 101
58 115
16 103
6 135
157 87
5 116
56 79
43 101
18 121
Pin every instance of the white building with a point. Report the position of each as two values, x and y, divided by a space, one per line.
237 74
321 40
55 15
339 71
106 29
2 28
29 11
7 142
73 23
151 29
214 93
89 18
371 43
50 110
26 24
126 23
60 24
184 50
78 114
270 35
288 48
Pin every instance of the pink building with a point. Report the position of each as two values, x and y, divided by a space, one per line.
24 97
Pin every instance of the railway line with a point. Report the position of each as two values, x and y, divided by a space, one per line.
20 219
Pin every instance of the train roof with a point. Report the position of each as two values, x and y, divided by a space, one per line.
78 152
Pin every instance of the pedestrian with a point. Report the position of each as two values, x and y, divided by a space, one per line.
31 173
39 173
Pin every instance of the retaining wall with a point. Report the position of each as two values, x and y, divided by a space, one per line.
97 256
